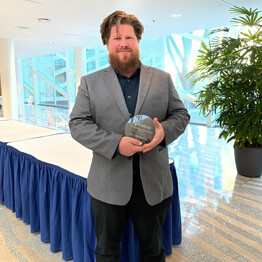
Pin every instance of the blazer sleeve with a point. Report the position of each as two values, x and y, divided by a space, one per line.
84 129
177 116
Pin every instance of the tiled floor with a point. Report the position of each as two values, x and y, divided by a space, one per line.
221 211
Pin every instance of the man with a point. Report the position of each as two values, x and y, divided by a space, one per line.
126 178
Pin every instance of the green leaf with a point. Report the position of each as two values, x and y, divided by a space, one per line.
233 69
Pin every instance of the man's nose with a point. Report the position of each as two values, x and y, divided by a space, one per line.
123 43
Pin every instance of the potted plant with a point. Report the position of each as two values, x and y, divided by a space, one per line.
232 66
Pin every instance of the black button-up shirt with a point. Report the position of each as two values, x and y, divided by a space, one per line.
130 86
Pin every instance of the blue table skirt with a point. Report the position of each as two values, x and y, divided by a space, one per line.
56 204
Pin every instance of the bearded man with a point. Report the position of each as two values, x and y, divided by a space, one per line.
127 178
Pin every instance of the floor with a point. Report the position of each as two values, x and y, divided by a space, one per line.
221 211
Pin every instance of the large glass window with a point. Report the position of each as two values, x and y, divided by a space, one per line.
46 92
28 88
50 79
181 52
96 59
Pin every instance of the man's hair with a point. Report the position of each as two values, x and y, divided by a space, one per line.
120 18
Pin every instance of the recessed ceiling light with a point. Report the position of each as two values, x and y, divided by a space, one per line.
44 20
176 15
22 27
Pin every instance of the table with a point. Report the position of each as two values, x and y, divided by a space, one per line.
36 184
13 130
60 150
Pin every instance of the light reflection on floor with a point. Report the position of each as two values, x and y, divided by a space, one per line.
205 167
221 211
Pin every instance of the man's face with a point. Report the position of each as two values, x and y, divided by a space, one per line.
123 45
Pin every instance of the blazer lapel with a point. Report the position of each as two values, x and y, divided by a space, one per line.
145 79
117 93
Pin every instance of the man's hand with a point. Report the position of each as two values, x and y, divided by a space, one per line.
128 146
158 138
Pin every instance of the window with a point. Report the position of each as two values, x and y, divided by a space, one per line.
50 79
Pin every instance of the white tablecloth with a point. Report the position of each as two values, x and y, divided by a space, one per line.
40 193
61 150
13 130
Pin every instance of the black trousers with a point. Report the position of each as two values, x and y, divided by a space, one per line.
110 221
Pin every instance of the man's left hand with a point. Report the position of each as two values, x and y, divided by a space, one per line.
158 138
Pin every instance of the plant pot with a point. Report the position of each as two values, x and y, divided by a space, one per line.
248 161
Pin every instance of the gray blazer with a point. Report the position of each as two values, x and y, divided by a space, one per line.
98 122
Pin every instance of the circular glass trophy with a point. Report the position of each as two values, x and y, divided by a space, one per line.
140 127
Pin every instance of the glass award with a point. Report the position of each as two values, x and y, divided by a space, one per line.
140 127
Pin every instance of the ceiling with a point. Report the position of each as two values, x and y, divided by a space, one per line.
76 23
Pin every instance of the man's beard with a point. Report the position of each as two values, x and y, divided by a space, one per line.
128 66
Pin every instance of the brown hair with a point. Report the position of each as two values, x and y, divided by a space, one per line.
117 18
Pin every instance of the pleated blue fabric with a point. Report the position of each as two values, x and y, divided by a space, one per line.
55 203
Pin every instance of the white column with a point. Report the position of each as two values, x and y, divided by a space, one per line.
8 78
79 64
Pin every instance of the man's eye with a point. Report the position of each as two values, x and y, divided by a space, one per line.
116 38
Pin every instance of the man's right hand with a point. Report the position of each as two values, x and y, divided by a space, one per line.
128 146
